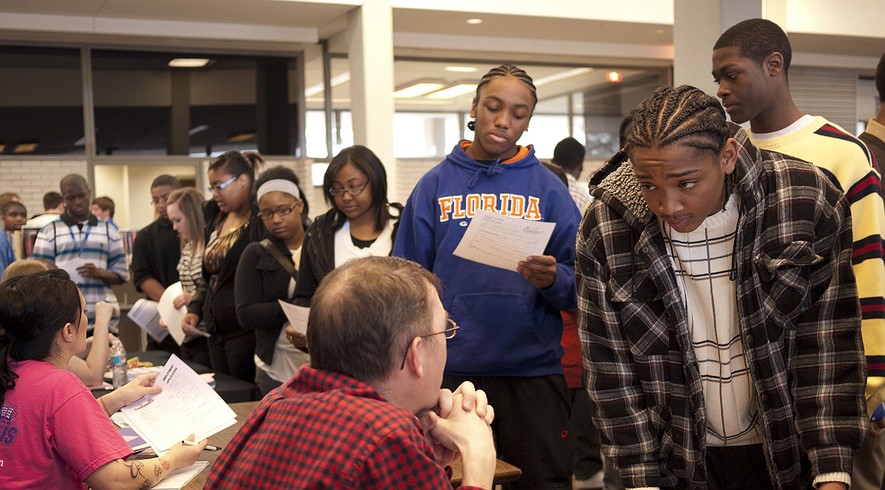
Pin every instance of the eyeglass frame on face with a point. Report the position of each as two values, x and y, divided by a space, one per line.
449 333
213 188
353 191
268 214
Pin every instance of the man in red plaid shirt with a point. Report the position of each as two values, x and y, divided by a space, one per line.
368 412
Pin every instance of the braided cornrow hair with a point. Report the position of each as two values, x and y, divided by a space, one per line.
683 115
508 71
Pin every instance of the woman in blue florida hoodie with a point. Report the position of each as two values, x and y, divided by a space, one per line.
509 341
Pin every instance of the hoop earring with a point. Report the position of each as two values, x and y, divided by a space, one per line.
471 125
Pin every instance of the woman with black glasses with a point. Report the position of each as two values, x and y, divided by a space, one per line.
229 229
360 223
267 273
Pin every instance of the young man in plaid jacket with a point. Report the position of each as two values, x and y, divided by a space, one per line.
719 312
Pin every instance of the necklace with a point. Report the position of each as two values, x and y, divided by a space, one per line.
231 226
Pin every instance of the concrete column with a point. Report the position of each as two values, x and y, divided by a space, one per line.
697 25
180 113
370 56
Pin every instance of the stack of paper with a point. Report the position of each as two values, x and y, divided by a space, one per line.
187 405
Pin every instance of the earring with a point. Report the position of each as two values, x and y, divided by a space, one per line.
471 125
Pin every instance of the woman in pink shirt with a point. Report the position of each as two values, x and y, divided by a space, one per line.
53 432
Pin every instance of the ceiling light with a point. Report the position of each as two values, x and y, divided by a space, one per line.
461 69
197 129
25 148
335 81
562 76
239 138
474 21
417 89
188 62
453 91
614 77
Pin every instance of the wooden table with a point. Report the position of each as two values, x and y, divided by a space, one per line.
504 472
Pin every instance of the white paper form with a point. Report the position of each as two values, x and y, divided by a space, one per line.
145 314
171 315
187 405
297 316
180 477
71 265
503 241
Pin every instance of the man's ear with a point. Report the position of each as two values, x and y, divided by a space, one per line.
774 64
729 155
415 357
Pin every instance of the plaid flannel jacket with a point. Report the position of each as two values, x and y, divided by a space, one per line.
800 324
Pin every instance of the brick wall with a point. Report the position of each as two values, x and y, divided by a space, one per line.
33 178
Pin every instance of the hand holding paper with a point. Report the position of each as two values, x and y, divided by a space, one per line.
186 405
503 241
540 270
297 316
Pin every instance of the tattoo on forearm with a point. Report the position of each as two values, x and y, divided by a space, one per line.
134 468
135 472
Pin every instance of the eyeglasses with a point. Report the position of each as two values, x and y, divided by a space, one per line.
449 333
220 187
353 191
268 214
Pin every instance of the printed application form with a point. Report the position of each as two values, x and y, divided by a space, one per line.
502 241
187 405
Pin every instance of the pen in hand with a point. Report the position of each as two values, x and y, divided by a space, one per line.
207 448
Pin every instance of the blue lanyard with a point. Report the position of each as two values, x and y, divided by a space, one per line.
83 242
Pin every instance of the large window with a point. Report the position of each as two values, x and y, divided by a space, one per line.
41 101
145 105
433 101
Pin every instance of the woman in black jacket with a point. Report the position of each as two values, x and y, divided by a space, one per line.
359 223
230 227
267 274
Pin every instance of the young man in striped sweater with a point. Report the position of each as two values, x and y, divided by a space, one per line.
751 61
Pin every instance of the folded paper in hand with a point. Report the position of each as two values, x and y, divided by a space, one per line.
187 405
171 315
145 314
297 316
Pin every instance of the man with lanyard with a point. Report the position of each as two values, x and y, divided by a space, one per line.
89 249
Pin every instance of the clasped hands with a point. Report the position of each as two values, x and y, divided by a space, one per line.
460 419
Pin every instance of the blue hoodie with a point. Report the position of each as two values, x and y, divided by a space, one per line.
508 326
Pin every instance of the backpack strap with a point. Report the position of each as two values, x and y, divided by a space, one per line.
285 262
